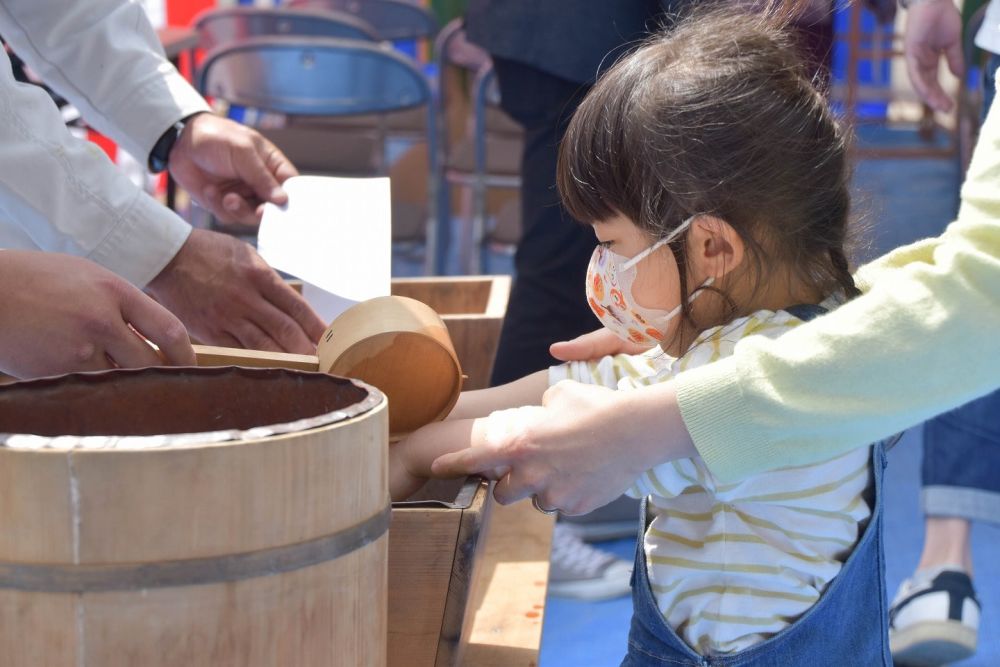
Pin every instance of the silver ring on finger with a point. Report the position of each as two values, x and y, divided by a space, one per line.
544 510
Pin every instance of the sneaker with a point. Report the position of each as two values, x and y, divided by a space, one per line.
616 520
934 619
578 570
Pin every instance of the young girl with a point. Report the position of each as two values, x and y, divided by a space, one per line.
716 182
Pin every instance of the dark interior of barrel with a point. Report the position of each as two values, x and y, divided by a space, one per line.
155 401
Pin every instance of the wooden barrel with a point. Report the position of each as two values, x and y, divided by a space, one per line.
195 516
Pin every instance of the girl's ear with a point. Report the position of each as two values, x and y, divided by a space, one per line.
715 248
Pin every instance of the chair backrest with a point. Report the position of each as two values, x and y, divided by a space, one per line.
313 76
217 27
391 19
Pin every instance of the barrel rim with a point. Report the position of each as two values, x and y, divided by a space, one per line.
66 443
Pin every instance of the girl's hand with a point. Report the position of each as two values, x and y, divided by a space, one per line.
593 345
580 450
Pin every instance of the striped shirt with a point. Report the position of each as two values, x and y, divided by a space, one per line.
732 564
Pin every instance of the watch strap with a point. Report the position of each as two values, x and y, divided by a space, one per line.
160 154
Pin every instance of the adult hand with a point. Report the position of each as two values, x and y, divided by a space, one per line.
229 169
228 295
593 345
933 29
60 313
580 450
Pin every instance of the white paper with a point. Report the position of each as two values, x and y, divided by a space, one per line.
334 234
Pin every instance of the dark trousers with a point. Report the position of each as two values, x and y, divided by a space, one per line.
547 302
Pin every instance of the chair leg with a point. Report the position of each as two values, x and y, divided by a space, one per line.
478 226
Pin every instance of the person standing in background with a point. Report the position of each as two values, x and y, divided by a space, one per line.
547 55
935 616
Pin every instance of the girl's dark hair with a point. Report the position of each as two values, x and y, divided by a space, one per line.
717 116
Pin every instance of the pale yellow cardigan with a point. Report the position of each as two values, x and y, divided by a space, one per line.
924 338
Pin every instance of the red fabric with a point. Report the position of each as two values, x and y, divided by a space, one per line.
106 144
182 12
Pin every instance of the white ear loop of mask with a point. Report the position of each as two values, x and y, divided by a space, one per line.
694 295
662 242
677 231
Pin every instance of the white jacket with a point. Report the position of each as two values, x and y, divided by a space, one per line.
60 193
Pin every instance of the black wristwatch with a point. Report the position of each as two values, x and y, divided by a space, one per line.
161 150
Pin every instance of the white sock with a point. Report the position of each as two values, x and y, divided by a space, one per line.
927 574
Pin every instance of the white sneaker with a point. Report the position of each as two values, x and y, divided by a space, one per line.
578 570
934 619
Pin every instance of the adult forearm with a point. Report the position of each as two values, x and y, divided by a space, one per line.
921 342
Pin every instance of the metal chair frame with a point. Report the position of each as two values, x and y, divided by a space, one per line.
318 76
217 27
969 100
485 93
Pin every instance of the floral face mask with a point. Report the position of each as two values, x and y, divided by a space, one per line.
609 292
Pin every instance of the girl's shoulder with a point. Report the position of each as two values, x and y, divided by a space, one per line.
771 323
717 342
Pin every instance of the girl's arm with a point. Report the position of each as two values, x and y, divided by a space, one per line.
410 459
481 402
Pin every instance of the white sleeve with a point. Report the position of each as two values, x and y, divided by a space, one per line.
105 58
62 194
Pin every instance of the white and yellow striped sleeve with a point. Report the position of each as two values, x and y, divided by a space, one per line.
612 371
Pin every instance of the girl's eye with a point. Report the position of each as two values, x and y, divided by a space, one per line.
605 244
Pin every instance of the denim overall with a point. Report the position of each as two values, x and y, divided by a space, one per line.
847 627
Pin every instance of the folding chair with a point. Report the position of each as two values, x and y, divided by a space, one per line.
218 27
394 21
487 158
310 77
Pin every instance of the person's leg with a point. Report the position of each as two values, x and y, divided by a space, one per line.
946 542
936 610
936 613
548 299
547 302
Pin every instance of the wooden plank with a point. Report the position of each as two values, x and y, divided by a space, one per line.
510 610
456 623
421 555
209 355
